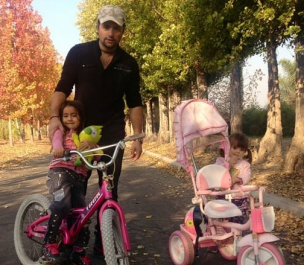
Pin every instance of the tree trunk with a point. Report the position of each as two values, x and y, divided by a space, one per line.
294 158
201 83
32 128
19 131
236 98
38 129
149 126
173 102
10 132
163 134
128 126
271 144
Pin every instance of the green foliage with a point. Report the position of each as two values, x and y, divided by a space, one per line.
288 119
168 64
254 121
287 80
171 39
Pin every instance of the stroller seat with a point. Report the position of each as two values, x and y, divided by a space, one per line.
221 209
213 177
218 178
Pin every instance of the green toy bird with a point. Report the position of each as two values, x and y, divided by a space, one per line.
90 134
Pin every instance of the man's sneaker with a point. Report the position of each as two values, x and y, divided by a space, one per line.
80 258
51 252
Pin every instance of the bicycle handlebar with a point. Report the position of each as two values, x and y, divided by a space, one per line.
102 165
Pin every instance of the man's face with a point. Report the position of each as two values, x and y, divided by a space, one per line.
110 35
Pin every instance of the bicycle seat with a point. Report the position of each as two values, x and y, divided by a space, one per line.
221 209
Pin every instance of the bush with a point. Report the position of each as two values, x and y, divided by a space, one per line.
255 121
288 119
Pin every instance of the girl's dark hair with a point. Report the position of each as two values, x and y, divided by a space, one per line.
239 140
79 107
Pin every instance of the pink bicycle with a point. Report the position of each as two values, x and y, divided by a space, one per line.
32 218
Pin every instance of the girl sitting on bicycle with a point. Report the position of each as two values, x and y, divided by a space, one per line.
239 164
66 184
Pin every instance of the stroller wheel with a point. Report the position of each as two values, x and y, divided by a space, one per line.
226 247
181 248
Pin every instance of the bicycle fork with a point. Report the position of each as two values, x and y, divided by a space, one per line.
115 206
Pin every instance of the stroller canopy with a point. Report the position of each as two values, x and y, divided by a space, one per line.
198 119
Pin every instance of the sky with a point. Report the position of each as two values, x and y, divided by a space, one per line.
59 16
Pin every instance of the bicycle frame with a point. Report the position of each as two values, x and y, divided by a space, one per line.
102 199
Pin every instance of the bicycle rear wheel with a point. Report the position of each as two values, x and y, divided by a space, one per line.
112 240
28 249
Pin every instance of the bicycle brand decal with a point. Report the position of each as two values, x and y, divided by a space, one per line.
97 196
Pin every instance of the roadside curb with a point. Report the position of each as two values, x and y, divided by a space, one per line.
283 203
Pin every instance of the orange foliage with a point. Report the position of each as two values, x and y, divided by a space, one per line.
28 62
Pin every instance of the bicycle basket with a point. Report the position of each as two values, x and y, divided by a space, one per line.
262 220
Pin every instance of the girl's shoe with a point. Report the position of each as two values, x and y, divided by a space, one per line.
80 258
51 253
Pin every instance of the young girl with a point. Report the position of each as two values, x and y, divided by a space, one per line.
239 163
66 184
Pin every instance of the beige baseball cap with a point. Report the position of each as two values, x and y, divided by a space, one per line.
113 13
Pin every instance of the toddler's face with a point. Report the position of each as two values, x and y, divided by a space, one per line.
70 117
236 152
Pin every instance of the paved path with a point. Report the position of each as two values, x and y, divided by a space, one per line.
154 204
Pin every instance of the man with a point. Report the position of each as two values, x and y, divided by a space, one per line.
103 74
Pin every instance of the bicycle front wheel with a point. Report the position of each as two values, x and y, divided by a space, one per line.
28 248
112 240
269 254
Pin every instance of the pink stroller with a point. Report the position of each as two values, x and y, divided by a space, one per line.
198 124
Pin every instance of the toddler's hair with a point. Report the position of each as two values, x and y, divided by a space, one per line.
239 140
79 107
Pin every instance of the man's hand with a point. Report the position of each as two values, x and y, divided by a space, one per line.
136 150
54 124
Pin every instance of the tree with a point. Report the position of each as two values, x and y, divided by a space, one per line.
268 23
294 159
30 62
271 143
236 99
